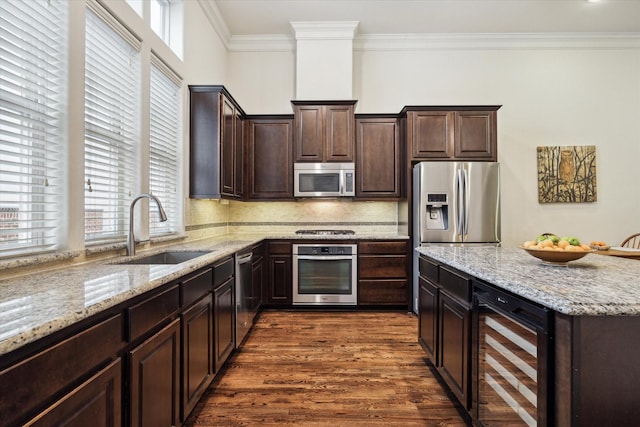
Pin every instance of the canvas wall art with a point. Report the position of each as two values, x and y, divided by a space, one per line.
567 174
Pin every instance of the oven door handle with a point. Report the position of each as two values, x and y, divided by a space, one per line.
323 257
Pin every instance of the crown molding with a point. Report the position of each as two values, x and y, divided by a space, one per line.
214 16
408 42
324 30
479 41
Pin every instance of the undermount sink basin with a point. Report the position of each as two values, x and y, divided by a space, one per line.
171 257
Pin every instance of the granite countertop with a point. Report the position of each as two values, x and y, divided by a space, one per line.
593 285
37 304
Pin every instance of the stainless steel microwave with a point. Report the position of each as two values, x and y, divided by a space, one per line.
324 179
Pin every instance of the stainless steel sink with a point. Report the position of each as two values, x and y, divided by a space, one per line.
170 257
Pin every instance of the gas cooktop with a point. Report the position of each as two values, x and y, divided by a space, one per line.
325 232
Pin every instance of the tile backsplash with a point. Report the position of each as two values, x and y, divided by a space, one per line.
211 217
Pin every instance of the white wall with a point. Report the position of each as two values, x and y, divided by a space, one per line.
553 95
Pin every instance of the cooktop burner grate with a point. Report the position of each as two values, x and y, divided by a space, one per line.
325 232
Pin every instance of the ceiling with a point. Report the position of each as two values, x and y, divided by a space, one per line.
273 17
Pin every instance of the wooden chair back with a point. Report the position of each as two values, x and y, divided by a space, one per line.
632 241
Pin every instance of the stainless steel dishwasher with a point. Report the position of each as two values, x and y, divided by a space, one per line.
244 296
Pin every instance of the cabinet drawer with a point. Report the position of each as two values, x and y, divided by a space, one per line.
385 248
455 283
382 266
428 269
283 248
150 312
32 382
382 292
96 403
223 271
195 287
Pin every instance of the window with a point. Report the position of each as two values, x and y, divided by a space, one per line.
112 134
33 87
166 22
165 145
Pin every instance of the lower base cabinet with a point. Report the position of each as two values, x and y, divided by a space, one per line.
279 283
197 353
154 379
224 312
382 273
96 402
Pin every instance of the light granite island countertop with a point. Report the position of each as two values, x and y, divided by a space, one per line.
37 304
595 285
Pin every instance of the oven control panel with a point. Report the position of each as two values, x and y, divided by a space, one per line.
324 249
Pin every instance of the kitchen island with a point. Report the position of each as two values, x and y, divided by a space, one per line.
587 367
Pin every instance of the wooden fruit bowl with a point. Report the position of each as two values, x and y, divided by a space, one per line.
556 257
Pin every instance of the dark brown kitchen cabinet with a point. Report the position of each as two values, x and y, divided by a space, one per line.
445 311
96 402
80 369
378 158
154 379
257 277
279 281
428 324
270 157
197 352
452 133
223 311
216 144
382 273
324 131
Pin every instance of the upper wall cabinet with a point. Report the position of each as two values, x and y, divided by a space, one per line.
452 133
270 162
323 131
216 144
378 157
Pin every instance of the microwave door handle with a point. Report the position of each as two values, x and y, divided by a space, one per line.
342 182
465 198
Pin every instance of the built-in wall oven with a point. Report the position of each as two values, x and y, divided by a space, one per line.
325 274
512 354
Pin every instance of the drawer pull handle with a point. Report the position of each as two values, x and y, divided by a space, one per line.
502 300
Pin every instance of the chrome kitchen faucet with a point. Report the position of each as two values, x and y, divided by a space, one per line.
131 242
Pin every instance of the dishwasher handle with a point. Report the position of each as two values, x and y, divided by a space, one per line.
244 258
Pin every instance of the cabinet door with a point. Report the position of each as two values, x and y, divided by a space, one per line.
227 147
197 353
378 158
338 133
154 379
454 355
309 136
432 134
96 402
279 284
257 283
428 313
475 136
223 322
270 159
239 157
204 143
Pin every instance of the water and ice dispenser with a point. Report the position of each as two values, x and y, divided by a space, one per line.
437 217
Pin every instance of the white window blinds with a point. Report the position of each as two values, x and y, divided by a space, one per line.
112 96
33 87
165 146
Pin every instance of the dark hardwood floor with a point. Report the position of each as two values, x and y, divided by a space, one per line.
328 369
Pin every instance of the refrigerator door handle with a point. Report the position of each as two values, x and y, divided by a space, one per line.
465 214
459 203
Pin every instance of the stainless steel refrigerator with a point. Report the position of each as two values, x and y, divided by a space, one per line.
454 203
